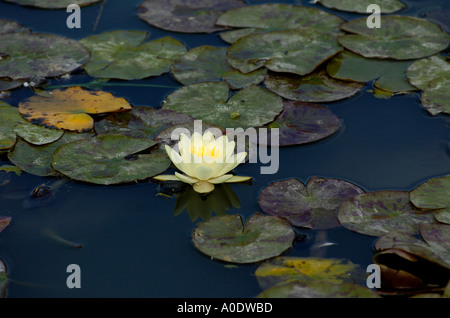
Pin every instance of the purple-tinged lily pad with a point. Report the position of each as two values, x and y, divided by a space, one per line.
317 87
379 212
301 123
226 238
140 122
314 205
52 4
187 16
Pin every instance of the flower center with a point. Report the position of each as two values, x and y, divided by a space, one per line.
202 150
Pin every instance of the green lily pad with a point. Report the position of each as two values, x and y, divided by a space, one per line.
276 16
52 4
317 289
226 238
126 55
39 55
317 87
423 71
187 16
9 26
37 160
291 51
379 212
3 278
301 123
314 205
400 38
436 97
433 194
211 102
208 63
443 216
140 122
7 84
388 75
4 222
12 125
287 269
109 159
360 6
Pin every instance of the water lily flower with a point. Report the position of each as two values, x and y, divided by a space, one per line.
205 161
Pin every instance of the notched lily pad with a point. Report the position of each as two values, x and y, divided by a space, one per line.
187 16
379 212
32 54
227 239
314 205
400 38
140 122
126 55
69 108
208 63
52 4
301 123
276 16
211 102
110 159
289 51
360 6
317 87
388 75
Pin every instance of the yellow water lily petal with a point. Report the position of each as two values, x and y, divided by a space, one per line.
167 177
220 179
233 162
204 172
203 187
238 179
185 179
69 108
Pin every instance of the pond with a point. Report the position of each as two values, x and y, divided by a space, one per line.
130 240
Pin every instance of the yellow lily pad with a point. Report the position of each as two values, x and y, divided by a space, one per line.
69 108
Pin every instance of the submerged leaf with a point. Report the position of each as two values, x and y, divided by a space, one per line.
125 54
380 212
360 6
109 159
400 38
211 102
69 108
188 16
289 51
39 55
312 206
276 16
208 63
227 239
317 87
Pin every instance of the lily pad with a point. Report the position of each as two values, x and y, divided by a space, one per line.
140 122
4 222
3 278
287 269
208 63
379 212
211 102
301 123
436 97
37 160
69 108
39 55
227 239
109 159
126 55
52 4
187 16
443 216
360 6
12 125
388 75
423 71
400 38
291 51
276 16
317 289
433 194
314 205
9 26
317 87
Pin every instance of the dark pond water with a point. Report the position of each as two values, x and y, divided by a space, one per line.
134 245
